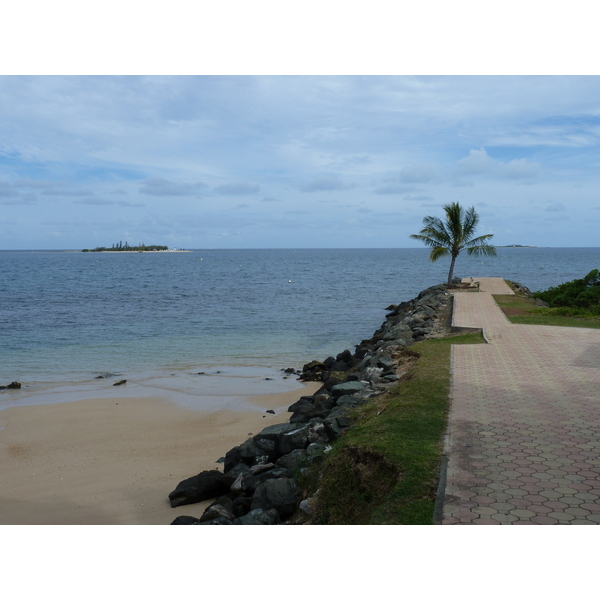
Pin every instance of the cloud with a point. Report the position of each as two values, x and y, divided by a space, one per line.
555 207
270 199
325 183
417 174
157 186
394 188
102 202
237 189
420 198
9 195
7 190
479 162
243 205
65 191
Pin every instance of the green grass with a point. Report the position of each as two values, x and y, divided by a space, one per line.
385 469
523 310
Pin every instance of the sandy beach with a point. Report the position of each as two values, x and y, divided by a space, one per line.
115 460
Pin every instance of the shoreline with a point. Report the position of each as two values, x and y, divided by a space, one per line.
115 460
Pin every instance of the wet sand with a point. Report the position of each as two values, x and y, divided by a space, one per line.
115 460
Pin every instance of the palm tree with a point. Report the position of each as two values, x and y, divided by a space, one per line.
454 235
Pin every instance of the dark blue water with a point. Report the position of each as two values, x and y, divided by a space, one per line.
69 316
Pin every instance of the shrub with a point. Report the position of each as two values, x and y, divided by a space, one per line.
579 293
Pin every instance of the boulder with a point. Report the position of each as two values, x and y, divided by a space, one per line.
304 401
259 516
337 422
284 436
280 494
244 485
334 378
315 365
218 521
292 461
317 433
218 511
204 486
240 469
401 331
185 520
348 388
345 356
232 458
241 505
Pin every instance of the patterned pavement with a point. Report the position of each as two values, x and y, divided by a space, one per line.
524 425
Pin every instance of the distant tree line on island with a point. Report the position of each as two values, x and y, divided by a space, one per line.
125 247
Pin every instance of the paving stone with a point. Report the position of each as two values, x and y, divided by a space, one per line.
530 413
522 513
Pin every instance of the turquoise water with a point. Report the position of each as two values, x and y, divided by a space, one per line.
67 317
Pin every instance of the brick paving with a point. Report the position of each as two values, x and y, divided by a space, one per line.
524 425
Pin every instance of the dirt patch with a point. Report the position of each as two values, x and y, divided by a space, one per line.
366 478
516 306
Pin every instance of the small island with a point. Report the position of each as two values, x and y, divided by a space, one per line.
516 246
120 247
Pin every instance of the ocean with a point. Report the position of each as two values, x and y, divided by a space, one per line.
216 323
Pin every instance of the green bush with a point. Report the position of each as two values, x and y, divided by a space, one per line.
579 293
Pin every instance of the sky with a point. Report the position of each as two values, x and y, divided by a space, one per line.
292 161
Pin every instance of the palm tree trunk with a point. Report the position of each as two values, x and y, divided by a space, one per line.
451 272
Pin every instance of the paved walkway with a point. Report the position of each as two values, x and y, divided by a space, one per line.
524 443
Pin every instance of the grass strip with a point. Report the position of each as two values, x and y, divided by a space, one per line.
385 469
524 311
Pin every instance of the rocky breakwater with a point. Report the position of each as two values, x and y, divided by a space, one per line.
261 479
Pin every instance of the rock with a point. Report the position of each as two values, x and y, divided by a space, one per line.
241 505
292 461
335 378
276 473
120 382
345 356
259 516
257 450
385 362
219 521
317 433
232 458
184 520
244 485
204 486
304 401
399 332
315 365
329 362
280 494
258 469
218 511
348 388
540 302
285 437
351 401
336 423
232 474
307 506
15 385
